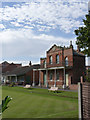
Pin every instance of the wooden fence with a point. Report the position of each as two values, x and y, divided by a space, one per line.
84 100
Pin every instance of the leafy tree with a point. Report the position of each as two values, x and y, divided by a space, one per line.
83 36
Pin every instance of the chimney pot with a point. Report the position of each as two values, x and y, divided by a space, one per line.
71 46
70 43
78 49
30 63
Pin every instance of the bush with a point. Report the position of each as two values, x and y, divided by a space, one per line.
12 84
3 106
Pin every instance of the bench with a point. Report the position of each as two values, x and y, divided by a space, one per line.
27 86
53 89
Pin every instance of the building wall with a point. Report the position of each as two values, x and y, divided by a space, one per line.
41 77
36 76
75 68
30 76
69 53
62 54
78 68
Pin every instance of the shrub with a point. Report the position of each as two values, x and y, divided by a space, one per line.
12 84
3 106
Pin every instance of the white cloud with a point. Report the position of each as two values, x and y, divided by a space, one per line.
28 27
2 26
11 36
22 42
63 15
16 24
25 43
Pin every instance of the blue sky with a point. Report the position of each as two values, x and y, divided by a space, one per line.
29 29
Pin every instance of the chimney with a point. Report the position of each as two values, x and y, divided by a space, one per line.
30 63
71 46
78 49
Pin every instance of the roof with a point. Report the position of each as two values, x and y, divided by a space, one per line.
55 46
78 53
10 67
75 52
23 70
4 64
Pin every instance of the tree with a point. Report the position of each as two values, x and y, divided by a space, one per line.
83 36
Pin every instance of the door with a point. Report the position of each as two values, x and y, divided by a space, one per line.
44 78
28 81
66 79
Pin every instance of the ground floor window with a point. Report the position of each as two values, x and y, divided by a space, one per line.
51 76
57 76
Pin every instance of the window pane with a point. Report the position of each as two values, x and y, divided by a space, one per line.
57 59
51 76
50 59
57 76
44 63
66 61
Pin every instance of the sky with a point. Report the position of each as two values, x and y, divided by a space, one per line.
28 29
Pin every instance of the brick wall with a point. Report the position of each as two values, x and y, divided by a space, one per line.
73 87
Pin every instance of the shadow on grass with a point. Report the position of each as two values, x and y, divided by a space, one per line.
30 88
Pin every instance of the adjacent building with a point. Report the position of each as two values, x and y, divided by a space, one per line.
6 67
23 75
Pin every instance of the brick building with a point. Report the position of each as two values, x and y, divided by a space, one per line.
7 67
23 75
62 67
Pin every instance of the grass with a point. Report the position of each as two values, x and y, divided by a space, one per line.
39 103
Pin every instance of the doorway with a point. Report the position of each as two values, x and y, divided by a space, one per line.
44 78
66 79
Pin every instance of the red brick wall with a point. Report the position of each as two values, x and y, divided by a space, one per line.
69 53
41 77
73 87
37 77
42 60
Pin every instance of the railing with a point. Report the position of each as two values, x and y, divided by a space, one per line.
60 64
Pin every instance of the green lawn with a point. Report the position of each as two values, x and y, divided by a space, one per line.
39 103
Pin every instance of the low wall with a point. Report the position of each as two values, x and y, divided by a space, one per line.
86 100
73 87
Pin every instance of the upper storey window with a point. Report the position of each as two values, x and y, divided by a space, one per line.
57 59
44 63
50 59
66 61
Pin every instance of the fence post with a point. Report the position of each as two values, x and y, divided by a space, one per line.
80 100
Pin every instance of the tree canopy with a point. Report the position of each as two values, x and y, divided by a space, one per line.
83 36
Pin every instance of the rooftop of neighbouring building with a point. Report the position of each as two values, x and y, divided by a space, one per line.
23 70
